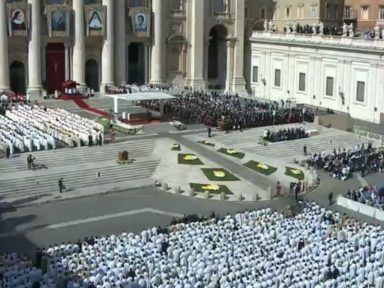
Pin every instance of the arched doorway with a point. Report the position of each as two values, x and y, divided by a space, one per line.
217 56
92 74
136 63
55 66
17 77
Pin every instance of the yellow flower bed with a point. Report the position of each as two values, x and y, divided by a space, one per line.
213 187
189 157
231 151
295 171
262 166
219 173
176 146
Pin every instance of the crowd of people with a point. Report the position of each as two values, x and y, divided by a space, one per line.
262 248
231 111
134 88
286 134
370 195
342 163
33 127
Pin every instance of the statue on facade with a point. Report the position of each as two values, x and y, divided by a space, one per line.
345 29
377 32
265 25
294 27
314 29
288 29
271 26
350 31
382 34
321 28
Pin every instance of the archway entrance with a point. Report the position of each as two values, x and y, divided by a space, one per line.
136 63
17 77
55 66
217 57
92 74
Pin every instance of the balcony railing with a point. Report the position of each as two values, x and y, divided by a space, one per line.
178 13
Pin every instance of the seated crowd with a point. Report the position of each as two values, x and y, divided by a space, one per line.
236 112
134 88
370 195
30 128
285 134
341 163
315 248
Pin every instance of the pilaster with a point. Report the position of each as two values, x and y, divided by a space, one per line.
78 57
4 65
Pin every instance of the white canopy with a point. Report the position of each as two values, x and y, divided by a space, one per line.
140 96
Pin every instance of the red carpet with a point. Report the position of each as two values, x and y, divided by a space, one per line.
85 106
73 97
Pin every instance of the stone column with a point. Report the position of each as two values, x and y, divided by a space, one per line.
197 49
184 57
230 53
238 79
67 61
108 49
121 45
158 45
78 57
146 62
4 65
34 52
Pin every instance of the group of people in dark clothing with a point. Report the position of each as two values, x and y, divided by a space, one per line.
342 163
285 134
229 111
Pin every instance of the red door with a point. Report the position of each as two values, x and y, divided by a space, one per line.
55 66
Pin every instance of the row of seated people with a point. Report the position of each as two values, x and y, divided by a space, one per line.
254 249
370 195
62 125
134 88
342 163
285 134
20 137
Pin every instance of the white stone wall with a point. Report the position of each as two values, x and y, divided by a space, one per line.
345 62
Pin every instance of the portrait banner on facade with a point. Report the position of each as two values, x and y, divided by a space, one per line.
18 19
95 18
141 21
58 20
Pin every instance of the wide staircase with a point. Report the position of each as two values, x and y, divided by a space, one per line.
79 167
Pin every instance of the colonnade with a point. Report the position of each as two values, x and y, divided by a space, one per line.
114 53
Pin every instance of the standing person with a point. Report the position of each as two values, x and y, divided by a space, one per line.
89 140
8 152
330 198
305 150
61 185
209 132
29 161
113 135
278 188
297 190
100 138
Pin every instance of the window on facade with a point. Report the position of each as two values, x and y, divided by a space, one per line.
219 6
328 10
277 77
336 13
287 12
360 90
262 13
52 2
90 2
381 12
329 86
276 13
347 12
364 12
302 82
255 74
137 3
313 12
176 4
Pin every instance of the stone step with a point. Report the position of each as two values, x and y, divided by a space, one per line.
76 179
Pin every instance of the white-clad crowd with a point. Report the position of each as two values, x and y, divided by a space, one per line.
22 137
263 249
37 127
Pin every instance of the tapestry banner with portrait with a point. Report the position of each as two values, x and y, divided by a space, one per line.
58 20
18 19
141 21
95 18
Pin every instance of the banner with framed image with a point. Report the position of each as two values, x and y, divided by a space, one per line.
95 18
141 21
58 20
18 19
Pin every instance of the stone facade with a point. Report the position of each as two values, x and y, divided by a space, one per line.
339 73
364 14
187 42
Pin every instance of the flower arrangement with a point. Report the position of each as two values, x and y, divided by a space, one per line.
190 157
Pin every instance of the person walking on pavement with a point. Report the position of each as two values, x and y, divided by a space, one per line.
209 132
61 185
305 150
330 198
